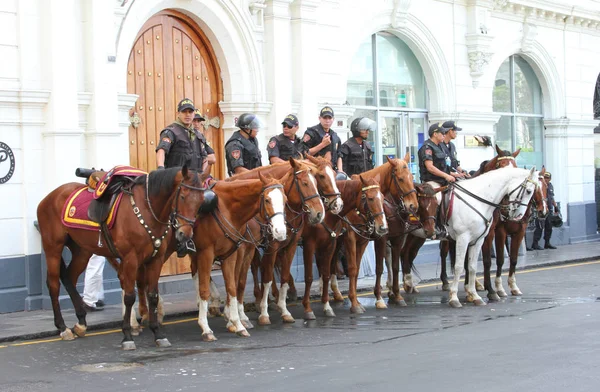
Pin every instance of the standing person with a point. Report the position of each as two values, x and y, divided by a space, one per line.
433 167
450 150
93 287
286 144
356 153
544 224
241 149
321 140
180 144
206 151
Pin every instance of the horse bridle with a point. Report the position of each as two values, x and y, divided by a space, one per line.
499 159
262 203
368 215
400 207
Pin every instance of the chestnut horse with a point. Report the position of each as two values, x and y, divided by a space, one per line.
161 202
361 197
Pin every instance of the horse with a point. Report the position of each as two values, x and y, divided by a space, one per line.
161 202
401 227
482 195
361 197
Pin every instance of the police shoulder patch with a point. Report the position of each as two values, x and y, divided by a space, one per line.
306 138
236 154
272 143
166 140
428 151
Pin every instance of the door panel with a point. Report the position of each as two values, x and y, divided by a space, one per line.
170 61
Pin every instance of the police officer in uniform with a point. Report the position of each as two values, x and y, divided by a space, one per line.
545 225
180 144
450 150
242 153
208 154
321 140
356 152
286 144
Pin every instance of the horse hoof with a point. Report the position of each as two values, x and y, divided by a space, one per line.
455 303
445 287
309 316
380 304
338 297
479 302
479 286
502 294
516 292
67 335
79 330
402 303
494 297
136 331
128 346
214 312
356 310
209 337
247 324
288 319
264 320
243 333
231 328
329 313
162 343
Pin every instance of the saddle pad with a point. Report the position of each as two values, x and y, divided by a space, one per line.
116 171
75 211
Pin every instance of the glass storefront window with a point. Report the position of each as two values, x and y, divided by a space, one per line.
517 95
360 80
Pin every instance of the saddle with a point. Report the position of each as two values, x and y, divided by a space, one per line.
445 208
107 186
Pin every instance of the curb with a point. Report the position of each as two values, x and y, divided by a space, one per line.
117 323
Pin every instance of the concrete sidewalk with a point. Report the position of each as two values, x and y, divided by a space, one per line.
40 323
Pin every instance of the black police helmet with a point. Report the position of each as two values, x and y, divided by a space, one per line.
362 124
211 200
248 121
341 176
555 220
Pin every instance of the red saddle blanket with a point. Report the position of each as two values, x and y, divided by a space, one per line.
75 211
116 171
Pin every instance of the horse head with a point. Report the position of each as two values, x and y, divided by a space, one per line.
272 206
503 159
189 196
325 177
541 195
428 206
402 187
521 189
307 195
370 204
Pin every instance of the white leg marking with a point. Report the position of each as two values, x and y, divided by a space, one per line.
499 287
234 317
264 305
512 284
203 317
320 284
281 304
334 283
243 316
327 307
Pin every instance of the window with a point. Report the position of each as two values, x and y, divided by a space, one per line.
517 97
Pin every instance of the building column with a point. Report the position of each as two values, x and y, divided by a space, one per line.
62 137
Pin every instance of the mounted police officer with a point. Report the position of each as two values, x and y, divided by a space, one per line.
241 149
450 150
433 167
180 144
321 140
208 154
356 152
545 225
286 144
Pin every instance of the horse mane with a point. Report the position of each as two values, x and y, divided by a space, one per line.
162 180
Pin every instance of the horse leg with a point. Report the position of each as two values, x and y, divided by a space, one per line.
410 251
500 240
254 267
245 258
231 311
152 275
515 244
286 256
326 258
486 250
443 255
78 264
142 303
473 253
308 252
203 262
127 276
214 308
55 263
337 294
462 243
388 265
380 245
267 266
396 297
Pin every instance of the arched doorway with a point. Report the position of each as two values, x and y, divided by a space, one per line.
172 59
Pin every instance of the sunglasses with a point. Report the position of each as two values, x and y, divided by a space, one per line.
287 126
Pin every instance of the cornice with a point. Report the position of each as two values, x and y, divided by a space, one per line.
25 97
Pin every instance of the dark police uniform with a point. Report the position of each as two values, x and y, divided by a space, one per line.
242 152
183 146
314 135
356 158
450 150
429 151
283 147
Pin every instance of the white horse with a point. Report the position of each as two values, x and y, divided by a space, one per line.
474 204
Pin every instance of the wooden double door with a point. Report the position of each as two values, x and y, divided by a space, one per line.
171 60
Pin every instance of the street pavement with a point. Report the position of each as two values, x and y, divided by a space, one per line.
20 326
545 340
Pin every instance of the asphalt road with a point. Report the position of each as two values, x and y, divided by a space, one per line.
546 340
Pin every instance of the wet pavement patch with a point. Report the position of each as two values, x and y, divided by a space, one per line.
107 367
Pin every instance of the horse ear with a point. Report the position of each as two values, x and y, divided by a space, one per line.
262 178
391 161
362 179
543 170
498 150
311 159
407 157
293 163
514 154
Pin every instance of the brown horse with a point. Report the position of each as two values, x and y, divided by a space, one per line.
162 201
402 229
361 197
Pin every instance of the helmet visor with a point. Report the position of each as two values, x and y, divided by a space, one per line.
256 123
366 124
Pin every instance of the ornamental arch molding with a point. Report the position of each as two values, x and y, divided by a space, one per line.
426 49
229 31
545 69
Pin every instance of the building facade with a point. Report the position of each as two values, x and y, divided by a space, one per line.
92 82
